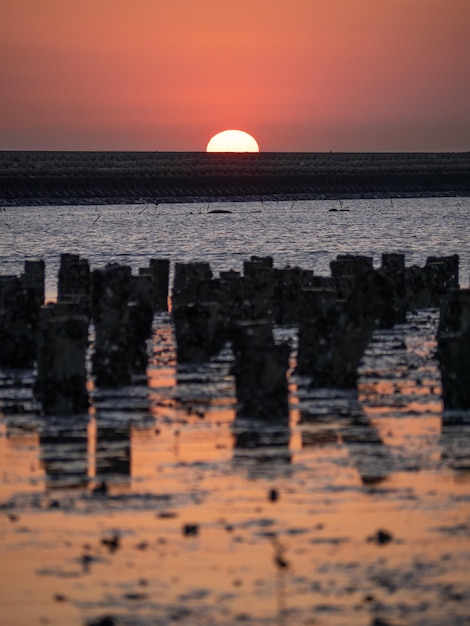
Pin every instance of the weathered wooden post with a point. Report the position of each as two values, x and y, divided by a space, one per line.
20 302
453 351
34 280
333 334
64 309
345 270
426 286
200 331
416 288
140 309
442 274
318 322
233 288
159 270
288 282
393 267
186 282
111 290
62 364
74 281
260 371
259 287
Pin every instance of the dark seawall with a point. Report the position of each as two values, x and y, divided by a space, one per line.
128 177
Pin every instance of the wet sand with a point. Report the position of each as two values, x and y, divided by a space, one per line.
161 507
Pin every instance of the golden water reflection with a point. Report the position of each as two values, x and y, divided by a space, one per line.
161 506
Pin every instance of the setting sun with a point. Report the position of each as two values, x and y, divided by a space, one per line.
232 141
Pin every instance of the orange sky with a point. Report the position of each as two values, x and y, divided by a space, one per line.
300 75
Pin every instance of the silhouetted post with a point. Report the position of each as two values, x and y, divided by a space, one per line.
287 285
74 281
345 270
20 302
159 270
393 267
363 311
453 351
10 331
334 334
34 280
215 290
140 309
321 282
425 287
48 312
259 287
111 290
61 369
200 331
442 274
350 265
67 278
318 323
416 288
232 285
186 281
260 371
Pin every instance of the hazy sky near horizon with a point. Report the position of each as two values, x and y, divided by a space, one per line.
299 75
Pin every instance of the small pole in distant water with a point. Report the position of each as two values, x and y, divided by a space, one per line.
97 218
391 201
340 203
144 209
292 206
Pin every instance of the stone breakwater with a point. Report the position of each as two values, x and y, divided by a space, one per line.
129 177
336 316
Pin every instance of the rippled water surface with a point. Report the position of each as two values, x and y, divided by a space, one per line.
162 507
307 233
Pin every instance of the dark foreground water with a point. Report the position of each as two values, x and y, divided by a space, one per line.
354 511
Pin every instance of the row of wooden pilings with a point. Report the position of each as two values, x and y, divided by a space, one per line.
55 337
336 316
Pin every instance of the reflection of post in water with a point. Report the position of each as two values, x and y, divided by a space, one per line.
261 428
192 395
261 442
326 435
366 450
455 443
113 451
281 565
341 421
63 445
260 371
203 400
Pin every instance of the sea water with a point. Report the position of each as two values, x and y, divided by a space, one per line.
305 233
160 506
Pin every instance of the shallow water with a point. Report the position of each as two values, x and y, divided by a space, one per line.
306 233
281 521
